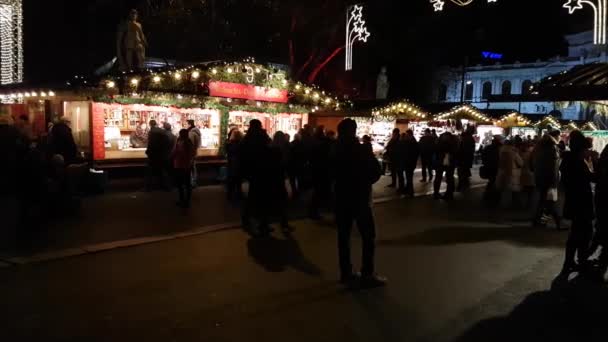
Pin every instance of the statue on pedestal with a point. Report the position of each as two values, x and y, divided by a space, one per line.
131 44
382 85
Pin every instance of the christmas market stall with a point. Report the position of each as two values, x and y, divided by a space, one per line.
546 124
111 114
401 114
516 124
460 118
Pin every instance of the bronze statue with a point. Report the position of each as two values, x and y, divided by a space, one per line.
131 44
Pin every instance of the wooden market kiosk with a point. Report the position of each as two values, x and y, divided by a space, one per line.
109 115
516 124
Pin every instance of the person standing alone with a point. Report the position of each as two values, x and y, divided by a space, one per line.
411 151
158 155
194 133
355 170
183 156
394 159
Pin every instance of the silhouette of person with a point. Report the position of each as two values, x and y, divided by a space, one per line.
394 159
183 157
355 171
410 150
445 165
577 175
319 162
466 156
158 152
427 153
256 164
546 176
601 201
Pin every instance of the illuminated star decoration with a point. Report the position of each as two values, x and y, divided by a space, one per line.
599 8
573 5
355 31
438 4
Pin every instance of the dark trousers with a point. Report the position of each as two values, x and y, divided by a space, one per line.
491 196
255 206
579 241
448 172
156 174
234 187
320 196
409 180
546 206
464 177
396 175
182 183
363 216
427 167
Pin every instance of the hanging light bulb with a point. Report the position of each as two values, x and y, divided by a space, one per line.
195 74
110 84
135 81
156 79
178 76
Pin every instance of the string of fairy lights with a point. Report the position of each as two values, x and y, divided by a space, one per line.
194 78
400 109
11 41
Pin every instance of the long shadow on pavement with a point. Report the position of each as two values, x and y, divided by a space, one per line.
277 255
574 310
476 234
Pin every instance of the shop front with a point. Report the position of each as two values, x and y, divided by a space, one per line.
516 124
110 116
463 118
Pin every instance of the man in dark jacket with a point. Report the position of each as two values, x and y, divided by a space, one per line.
158 152
427 153
546 174
466 156
394 159
410 152
355 171
446 162
257 161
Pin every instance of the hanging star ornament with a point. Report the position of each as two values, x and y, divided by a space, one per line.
438 5
573 5
357 13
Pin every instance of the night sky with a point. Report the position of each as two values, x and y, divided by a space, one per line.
68 37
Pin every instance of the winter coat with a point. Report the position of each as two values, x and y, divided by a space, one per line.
183 155
527 172
354 171
158 145
577 178
546 163
509 169
195 136
447 149
410 151
466 151
491 159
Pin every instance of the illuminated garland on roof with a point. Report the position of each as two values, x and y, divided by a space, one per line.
589 126
513 118
463 110
192 79
571 126
399 109
548 120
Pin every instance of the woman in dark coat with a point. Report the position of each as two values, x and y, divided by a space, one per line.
234 179
577 175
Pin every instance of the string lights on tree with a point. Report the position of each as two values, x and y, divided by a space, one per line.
355 31
11 41
600 8
438 4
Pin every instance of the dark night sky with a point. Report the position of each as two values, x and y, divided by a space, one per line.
65 37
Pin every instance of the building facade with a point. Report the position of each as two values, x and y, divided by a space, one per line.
498 86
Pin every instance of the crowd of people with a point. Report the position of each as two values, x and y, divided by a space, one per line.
441 157
548 166
339 170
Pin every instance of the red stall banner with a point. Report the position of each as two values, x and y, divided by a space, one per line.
98 132
248 92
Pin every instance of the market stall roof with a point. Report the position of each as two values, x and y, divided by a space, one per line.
548 121
583 82
400 110
513 119
570 126
244 84
589 126
464 112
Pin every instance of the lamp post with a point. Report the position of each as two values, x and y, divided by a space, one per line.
599 23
